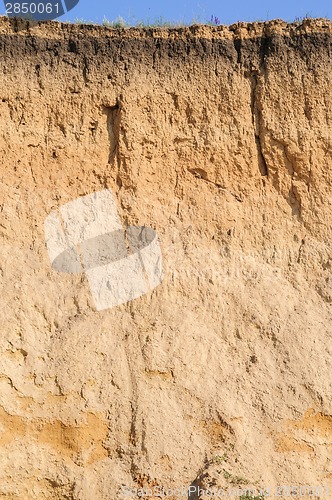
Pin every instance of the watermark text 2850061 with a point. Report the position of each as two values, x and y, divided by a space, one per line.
39 10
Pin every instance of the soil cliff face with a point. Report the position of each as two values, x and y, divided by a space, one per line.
219 139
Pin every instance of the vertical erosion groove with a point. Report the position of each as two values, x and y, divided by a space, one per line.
113 115
257 125
113 118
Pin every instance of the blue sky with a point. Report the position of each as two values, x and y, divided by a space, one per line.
186 10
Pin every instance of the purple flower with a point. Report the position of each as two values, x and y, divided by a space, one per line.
215 20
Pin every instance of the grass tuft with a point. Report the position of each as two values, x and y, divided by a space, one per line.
159 22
